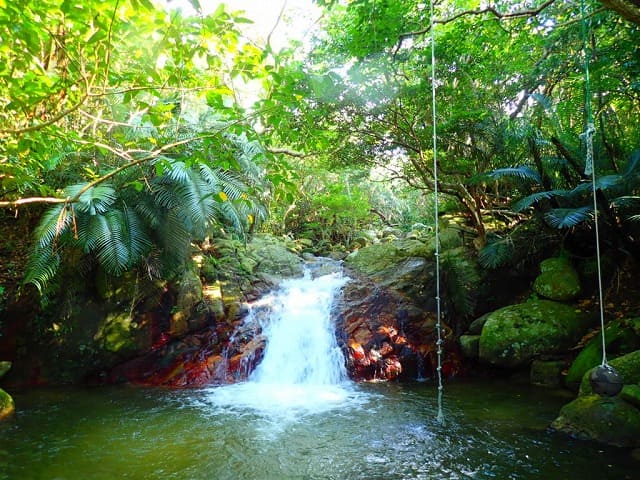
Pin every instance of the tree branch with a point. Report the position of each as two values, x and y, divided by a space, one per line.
481 11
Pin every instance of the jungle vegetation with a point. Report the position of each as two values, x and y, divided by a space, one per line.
124 131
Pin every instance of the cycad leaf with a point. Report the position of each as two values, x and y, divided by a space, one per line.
496 253
567 217
522 173
529 200
53 224
95 200
105 239
42 267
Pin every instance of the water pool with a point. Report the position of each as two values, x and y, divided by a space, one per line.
493 430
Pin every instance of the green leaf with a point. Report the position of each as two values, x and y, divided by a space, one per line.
567 217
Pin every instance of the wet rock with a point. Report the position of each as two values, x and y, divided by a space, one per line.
514 335
547 373
608 420
621 336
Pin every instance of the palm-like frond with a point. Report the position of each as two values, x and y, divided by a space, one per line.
567 217
95 200
522 173
53 224
496 252
42 267
534 198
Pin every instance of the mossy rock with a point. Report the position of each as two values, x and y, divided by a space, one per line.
5 366
7 407
514 335
621 336
631 394
546 373
558 280
609 420
469 346
627 365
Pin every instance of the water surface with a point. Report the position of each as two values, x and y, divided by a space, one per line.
493 430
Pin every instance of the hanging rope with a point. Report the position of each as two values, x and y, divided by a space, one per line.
589 169
440 416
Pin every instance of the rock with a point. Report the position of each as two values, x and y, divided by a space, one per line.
475 328
514 335
5 366
469 346
627 365
558 280
631 394
7 407
621 336
546 373
608 420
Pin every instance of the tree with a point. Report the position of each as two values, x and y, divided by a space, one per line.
122 116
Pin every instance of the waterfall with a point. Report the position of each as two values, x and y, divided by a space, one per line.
303 369
301 346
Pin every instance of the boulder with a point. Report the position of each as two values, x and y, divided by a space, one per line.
627 365
546 373
514 335
558 280
7 406
5 366
469 346
608 420
621 336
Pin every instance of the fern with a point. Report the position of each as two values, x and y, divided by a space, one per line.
567 217
534 198
496 253
523 173
42 266
95 200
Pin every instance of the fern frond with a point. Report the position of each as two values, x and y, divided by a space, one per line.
530 200
95 200
42 266
567 217
53 224
523 172
496 253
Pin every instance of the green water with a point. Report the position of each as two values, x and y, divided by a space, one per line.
382 431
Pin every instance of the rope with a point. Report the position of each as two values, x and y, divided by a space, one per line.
440 416
589 169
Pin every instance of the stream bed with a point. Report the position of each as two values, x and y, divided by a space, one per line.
493 430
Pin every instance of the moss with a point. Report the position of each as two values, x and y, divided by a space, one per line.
607 420
558 280
512 336
627 365
621 337
7 407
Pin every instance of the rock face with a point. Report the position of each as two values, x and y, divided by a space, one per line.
385 336
514 335
610 420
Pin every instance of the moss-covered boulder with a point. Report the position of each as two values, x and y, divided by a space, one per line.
5 366
621 336
608 420
469 345
546 373
627 365
558 280
7 406
514 335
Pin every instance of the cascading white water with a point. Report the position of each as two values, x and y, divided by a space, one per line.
303 369
301 346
